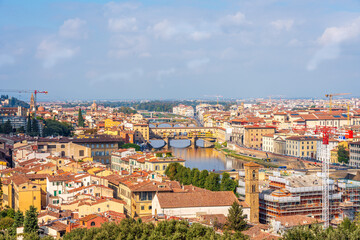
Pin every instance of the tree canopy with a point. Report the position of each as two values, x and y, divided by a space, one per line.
131 229
343 154
56 128
31 220
203 179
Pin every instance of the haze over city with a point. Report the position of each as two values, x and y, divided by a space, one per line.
179 49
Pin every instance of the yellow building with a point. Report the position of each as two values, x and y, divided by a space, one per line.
253 135
141 132
109 123
20 193
142 195
301 146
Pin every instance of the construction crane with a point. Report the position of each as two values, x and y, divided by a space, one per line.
331 95
35 92
325 174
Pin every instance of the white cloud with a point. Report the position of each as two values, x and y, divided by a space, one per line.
124 46
331 40
122 24
294 43
6 59
118 76
198 63
51 51
165 72
198 36
283 24
113 7
336 35
163 29
236 19
73 28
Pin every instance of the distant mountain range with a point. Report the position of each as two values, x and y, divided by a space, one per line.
12 102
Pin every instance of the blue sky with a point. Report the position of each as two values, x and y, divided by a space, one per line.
180 49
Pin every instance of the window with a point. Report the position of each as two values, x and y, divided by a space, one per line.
99 209
150 207
253 188
34 198
81 153
102 145
62 146
142 207
97 145
92 224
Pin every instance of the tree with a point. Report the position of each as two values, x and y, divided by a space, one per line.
131 145
6 223
35 127
56 128
28 125
212 182
196 177
343 154
18 222
227 184
81 121
236 219
203 175
7 128
31 221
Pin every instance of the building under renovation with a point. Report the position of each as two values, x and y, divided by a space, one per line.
296 195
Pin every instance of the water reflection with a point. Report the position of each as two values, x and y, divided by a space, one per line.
201 158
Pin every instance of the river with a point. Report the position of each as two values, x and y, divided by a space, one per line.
201 158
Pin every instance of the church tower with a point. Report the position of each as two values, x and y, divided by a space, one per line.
32 103
252 190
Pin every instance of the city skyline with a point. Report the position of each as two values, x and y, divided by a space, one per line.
179 50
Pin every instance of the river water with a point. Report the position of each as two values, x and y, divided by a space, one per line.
201 158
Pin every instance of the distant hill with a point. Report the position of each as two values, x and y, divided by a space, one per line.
13 102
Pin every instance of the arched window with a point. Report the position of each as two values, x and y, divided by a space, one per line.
92 224
253 188
254 174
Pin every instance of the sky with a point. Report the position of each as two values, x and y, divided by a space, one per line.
169 49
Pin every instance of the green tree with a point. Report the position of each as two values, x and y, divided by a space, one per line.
31 221
81 121
236 220
131 145
212 182
6 223
7 127
227 184
196 177
35 127
56 128
343 154
203 176
18 222
28 125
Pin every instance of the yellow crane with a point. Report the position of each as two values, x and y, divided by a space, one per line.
331 95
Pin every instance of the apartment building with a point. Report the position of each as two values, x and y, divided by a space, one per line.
354 153
253 135
301 146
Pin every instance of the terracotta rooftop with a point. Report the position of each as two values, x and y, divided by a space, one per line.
196 199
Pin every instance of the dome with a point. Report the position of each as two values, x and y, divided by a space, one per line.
41 109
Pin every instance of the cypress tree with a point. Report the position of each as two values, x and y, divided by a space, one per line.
236 219
80 119
7 128
18 222
31 221
28 125
35 127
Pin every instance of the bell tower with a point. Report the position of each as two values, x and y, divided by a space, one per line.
32 103
252 190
